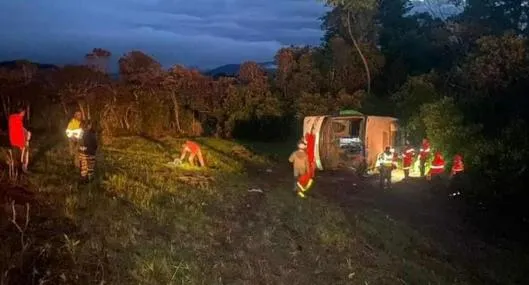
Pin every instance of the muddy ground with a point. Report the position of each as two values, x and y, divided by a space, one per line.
478 245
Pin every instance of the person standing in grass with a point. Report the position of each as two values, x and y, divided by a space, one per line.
300 164
74 133
19 138
87 152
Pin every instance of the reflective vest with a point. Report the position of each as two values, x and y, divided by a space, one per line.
387 160
424 151
74 129
76 134
305 181
407 157
438 165
458 165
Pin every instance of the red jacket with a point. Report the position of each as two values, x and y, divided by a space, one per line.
306 179
407 157
311 143
425 150
458 165
438 165
17 133
193 146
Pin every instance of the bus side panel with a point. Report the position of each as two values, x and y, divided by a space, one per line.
380 132
313 125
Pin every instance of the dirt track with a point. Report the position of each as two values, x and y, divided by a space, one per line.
437 217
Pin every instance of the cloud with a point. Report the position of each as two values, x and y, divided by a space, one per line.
204 33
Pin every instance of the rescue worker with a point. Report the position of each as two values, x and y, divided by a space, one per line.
424 155
301 168
306 180
193 149
74 133
19 138
457 184
87 152
386 163
438 166
458 165
407 159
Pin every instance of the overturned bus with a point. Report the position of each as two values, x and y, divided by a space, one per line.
350 139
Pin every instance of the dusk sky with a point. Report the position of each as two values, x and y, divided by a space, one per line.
203 33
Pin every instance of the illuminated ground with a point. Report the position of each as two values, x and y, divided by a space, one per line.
147 222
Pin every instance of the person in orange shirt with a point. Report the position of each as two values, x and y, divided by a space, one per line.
193 149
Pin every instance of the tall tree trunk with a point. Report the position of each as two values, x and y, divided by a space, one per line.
355 43
83 113
64 107
88 111
28 111
5 105
176 110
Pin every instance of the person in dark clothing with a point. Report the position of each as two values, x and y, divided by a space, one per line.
87 152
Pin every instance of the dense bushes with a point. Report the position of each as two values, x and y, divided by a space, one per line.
479 116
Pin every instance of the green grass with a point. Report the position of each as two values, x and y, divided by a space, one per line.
143 222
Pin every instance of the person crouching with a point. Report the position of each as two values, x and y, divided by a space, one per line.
300 164
195 152
87 152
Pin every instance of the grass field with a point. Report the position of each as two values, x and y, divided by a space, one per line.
143 222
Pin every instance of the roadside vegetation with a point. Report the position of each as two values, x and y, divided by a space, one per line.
145 222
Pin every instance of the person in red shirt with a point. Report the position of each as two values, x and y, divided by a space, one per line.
458 166
193 149
19 139
438 165
424 154
407 159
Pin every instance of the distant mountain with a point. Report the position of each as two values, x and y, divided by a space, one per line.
12 64
233 69
440 8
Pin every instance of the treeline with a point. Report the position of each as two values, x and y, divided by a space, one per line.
147 99
460 80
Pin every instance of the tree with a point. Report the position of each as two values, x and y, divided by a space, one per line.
17 78
253 106
187 87
415 92
98 59
357 12
497 17
285 61
223 89
78 84
140 70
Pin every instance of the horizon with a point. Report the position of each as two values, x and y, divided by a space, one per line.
172 32
205 34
